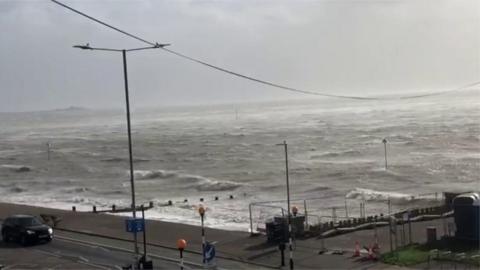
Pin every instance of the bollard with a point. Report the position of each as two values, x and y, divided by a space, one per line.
185 200
216 198
150 204
231 197
74 208
181 245
94 209
170 202
113 208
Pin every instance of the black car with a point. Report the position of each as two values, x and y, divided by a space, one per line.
25 229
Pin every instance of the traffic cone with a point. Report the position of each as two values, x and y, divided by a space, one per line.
356 252
371 256
376 248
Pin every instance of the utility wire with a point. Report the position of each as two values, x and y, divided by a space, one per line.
276 85
262 81
103 23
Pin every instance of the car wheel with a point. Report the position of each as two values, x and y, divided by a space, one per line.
23 240
5 237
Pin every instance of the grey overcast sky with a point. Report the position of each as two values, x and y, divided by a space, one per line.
338 47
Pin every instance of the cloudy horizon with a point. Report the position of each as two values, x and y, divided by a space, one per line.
355 48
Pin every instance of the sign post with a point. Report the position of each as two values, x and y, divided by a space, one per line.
209 254
134 225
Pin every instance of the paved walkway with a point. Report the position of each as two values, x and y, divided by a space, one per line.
237 245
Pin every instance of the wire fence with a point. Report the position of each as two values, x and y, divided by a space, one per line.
353 208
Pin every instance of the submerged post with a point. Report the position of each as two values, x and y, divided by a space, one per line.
48 150
346 207
306 213
385 147
251 221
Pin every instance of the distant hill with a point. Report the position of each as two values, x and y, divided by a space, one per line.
72 108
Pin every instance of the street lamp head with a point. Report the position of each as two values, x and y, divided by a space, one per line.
201 210
83 47
158 45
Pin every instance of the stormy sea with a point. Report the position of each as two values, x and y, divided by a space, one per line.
228 155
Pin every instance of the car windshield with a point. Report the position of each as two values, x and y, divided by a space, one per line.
28 221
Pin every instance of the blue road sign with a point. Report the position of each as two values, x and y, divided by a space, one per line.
209 252
134 225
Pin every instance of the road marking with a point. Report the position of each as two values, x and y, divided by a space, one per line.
20 266
219 256
83 259
71 258
90 244
101 248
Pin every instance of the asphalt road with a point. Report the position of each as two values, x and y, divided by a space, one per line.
157 253
65 254
79 251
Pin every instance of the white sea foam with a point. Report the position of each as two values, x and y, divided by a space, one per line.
375 195
16 168
197 182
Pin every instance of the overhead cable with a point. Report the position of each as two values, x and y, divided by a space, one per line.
272 84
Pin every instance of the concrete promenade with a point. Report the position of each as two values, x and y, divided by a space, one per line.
236 246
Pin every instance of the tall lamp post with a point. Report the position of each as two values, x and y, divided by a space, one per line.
127 102
384 141
284 144
201 211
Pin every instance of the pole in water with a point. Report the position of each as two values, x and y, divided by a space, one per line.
385 147
48 150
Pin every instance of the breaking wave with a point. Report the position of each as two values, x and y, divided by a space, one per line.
16 168
347 153
374 195
117 159
197 182
76 190
18 189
